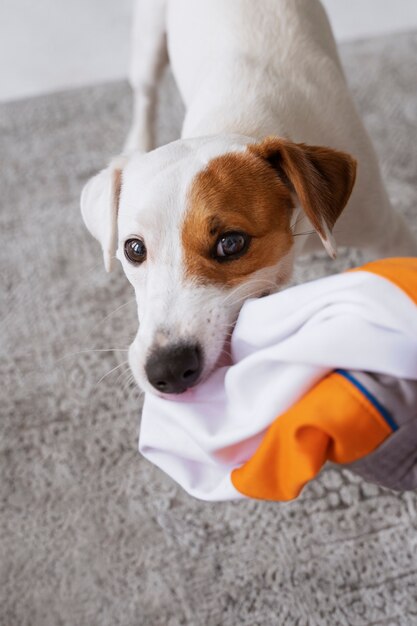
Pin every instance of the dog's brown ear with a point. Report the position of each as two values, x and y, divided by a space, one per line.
99 206
322 179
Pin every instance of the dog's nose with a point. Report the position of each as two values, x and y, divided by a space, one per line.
173 369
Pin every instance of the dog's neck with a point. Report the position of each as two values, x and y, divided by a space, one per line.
229 110
220 121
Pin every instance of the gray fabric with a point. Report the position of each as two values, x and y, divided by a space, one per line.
91 534
394 463
397 395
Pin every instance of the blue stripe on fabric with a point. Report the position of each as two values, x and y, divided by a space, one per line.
382 410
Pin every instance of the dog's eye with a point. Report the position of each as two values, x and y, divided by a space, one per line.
231 246
135 250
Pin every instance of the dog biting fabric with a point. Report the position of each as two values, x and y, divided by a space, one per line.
325 371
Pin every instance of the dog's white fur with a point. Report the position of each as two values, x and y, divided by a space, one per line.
245 70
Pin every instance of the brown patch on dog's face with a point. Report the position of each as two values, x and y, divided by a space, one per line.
236 192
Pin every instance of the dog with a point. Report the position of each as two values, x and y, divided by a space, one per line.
269 149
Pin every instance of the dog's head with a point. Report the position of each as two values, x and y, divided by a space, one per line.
201 225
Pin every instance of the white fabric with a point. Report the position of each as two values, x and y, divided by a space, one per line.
281 346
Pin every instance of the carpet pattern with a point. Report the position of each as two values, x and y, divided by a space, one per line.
92 534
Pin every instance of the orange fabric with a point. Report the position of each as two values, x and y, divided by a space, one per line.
333 421
400 271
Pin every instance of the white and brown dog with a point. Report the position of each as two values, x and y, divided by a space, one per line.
205 222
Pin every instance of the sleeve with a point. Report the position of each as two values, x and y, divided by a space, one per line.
347 418
393 464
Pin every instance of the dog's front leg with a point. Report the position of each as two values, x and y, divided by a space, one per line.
148 59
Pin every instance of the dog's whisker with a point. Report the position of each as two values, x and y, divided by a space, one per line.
123 373
309 232
126 384
259 281
111 371
131 382
247 296
228 333
67 356
110 314
297 221
225 352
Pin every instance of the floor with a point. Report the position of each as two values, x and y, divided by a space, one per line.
54 44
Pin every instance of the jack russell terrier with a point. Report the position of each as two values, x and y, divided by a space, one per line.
205 222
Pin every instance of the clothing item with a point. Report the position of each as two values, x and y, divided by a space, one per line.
322 371
393 464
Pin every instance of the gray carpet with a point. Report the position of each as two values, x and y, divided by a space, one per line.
91 534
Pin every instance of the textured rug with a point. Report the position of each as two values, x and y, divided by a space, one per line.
91 534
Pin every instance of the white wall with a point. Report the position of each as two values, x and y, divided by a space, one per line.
48 45
354 19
